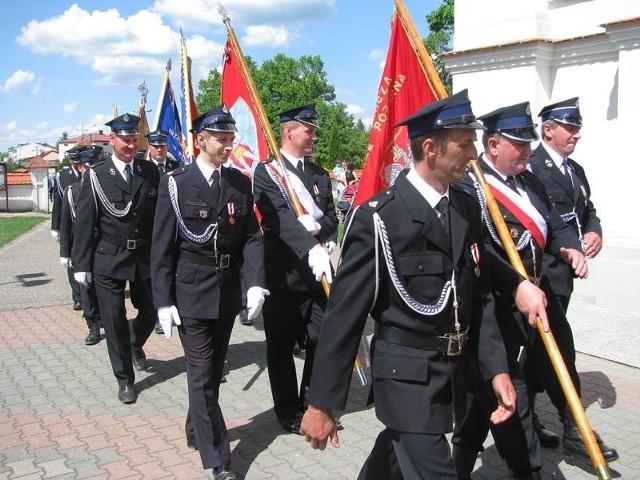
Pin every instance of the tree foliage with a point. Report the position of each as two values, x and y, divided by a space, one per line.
439 39
284 83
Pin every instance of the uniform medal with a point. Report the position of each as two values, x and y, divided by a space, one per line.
475 254
316 193
231 209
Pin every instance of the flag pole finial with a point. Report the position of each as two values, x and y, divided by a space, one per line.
168 65
223 13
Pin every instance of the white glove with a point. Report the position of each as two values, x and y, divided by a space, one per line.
330 246
83 278
255 300
168 317
66 262
310 224
320 263
55 234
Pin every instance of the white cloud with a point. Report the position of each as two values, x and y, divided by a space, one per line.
355 110
12 125
269 35
17 80
377 54
43 125
70 107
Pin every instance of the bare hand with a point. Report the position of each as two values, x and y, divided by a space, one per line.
506 396
577 260
532 302
317 426
592 244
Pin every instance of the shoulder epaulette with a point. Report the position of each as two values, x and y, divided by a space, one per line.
178 170
376 202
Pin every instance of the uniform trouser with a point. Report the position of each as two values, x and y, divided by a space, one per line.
515 439
403 456
75 287
121 342
205 343
538 369
287 314
89 302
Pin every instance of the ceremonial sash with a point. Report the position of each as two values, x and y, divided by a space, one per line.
521 208
306 201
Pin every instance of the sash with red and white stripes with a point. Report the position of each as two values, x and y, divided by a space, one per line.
521 208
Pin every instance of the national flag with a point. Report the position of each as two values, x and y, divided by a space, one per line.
168 120
188 101
404 88
250 145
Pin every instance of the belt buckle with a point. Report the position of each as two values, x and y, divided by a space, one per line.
132 244
223 260
455 343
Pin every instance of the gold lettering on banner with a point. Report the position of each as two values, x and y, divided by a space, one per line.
389 89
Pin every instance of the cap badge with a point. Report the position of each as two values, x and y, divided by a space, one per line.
126 117
528 110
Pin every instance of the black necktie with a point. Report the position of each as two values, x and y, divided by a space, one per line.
443 213
161 168
511 181
567 171
128 174
215 184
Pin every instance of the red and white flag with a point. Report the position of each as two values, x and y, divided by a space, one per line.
250 145
404 88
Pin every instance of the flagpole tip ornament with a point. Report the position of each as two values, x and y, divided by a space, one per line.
513 121
566 112
218 119
306 114
126 124
453 112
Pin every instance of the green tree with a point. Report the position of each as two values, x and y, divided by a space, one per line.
283 83
439 39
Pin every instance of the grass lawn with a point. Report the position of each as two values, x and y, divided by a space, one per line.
13 227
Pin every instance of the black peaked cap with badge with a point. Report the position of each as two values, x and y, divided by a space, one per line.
566 111
513 121
125 124
306 114
453 112
74 153
157 137
218 119
90 155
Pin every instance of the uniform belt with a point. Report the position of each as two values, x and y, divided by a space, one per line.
220 260
128 243
535 281
450 344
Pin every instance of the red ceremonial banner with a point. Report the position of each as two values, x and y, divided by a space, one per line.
404 88
250 145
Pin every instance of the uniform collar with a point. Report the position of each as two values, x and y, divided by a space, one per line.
427 191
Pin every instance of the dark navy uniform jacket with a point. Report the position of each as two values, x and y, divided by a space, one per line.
197 289
565 199
513 325
287 242
412 387
66 177
104 256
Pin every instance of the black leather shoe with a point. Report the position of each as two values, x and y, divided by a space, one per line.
77 306
573 446
158 329
548 439
224 473
140 361
94 335
291 425
127 394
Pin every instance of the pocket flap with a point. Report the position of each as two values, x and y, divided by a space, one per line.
421 264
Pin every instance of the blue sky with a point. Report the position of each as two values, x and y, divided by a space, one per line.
65 64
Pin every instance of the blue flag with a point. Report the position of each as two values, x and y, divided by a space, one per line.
168 120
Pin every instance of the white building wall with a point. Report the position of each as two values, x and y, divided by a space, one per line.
520 50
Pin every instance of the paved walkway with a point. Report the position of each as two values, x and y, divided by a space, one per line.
60 418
